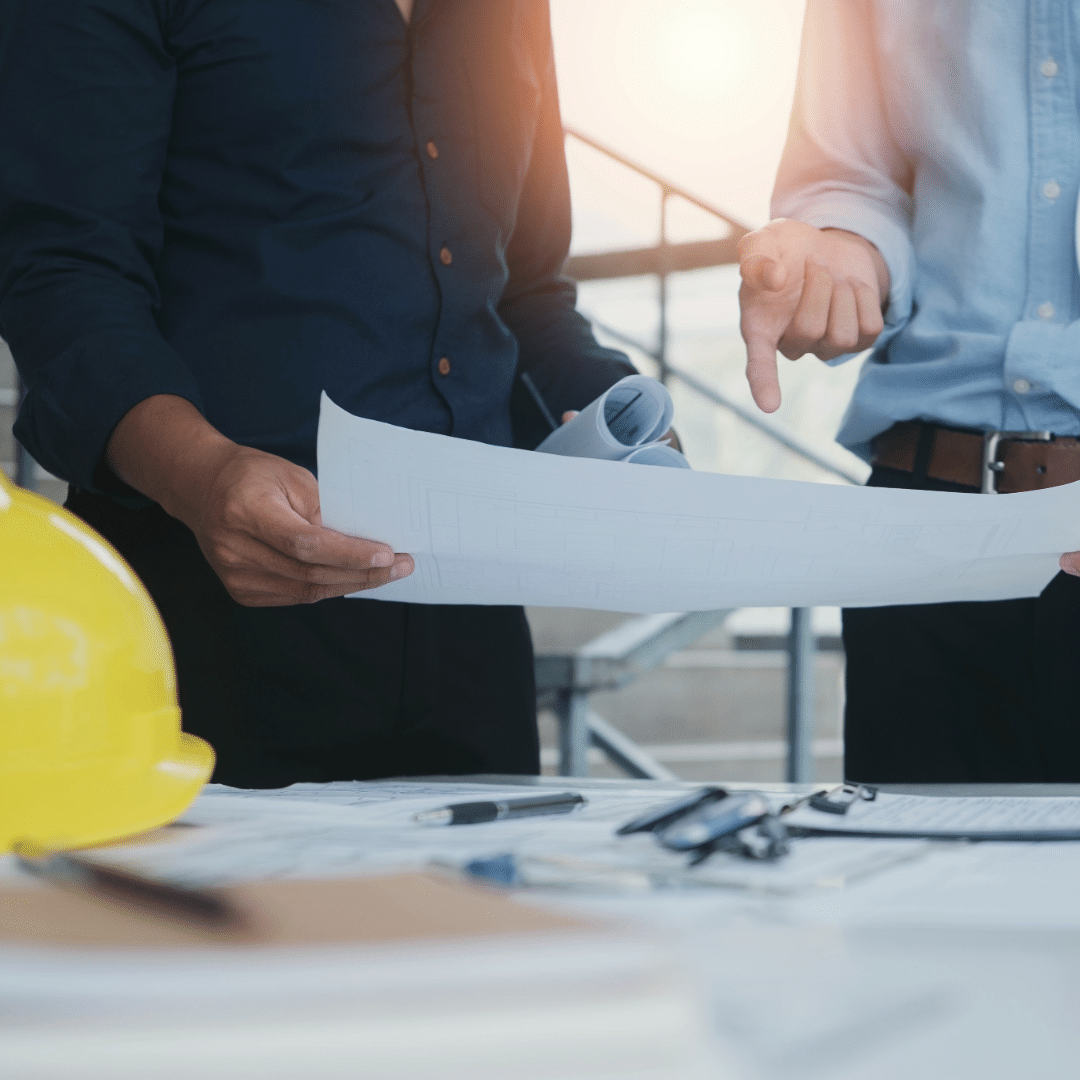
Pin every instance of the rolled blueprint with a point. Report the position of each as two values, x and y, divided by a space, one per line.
623 422
657 454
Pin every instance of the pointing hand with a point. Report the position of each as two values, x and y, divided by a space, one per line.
806 290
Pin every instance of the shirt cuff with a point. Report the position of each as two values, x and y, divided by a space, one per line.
75 401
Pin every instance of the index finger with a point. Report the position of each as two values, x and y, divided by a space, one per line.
761 371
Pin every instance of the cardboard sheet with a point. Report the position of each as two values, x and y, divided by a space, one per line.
370 910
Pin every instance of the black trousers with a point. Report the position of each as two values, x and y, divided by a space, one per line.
338 690
967 692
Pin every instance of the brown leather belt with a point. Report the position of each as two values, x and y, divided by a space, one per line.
994 461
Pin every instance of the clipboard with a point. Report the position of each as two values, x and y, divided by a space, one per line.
863 810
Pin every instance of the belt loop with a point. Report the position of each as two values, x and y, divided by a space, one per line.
924 451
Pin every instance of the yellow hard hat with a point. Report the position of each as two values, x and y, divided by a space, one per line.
90 742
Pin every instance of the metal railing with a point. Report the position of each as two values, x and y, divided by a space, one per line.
609 662
664 258
564 682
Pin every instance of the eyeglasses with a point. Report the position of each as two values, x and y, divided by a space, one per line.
742 823
714 819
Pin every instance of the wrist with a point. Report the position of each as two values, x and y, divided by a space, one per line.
165 449
184 482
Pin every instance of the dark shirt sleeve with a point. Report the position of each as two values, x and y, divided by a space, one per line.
559 361
88 87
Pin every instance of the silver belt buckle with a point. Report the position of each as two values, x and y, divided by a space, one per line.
990 464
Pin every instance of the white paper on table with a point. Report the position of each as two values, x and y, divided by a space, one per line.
494 525
230 836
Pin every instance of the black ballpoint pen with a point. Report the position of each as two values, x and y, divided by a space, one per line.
474 813
204 908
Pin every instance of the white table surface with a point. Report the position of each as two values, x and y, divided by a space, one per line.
954 960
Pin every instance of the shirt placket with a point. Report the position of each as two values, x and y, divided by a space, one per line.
433 148
1050 302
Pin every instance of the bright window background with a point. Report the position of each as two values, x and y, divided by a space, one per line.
698 91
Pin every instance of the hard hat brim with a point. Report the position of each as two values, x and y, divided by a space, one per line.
122 807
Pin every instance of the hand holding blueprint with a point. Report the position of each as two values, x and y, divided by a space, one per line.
493 525
625 423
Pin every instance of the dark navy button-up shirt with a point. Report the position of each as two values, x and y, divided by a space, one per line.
245 202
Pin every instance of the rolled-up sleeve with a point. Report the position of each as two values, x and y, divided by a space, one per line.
87 88
842 167
560 362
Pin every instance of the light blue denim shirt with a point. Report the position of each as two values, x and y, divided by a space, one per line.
947 133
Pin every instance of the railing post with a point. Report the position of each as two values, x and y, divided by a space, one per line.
572 712
662 336
800 703
662 255
24 464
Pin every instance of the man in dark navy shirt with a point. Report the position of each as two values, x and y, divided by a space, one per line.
211 211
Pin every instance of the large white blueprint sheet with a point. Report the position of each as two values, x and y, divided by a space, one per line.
492 525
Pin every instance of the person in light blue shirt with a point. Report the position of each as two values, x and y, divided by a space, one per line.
926 205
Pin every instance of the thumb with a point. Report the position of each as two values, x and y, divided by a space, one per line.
300 490
762 273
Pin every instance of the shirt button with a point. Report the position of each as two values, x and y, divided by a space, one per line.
444 366
1046 311
1048 68
1021 386
432 150
446 257
1051 189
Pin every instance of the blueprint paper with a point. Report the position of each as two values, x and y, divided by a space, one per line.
657 454
494 525
622 424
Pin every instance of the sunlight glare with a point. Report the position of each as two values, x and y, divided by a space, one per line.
703 48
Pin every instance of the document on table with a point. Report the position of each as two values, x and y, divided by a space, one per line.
364 827
494 525
985 817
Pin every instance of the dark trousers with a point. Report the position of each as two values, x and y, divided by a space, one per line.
968 692
338 690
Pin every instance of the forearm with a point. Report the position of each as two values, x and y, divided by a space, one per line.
562 360
165 449
842 168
